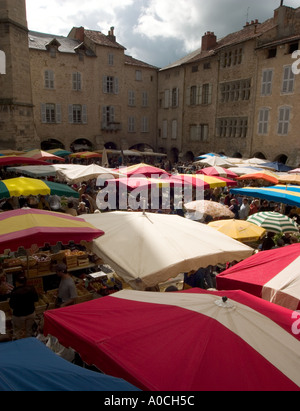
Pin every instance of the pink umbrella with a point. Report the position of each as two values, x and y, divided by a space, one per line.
193 340
217 172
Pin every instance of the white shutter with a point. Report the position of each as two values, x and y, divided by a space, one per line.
199 94
209 93
116 85
70 113
58 113
43 113
104 84
84 114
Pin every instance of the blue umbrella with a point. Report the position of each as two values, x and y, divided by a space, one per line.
280 194
28 365
277 166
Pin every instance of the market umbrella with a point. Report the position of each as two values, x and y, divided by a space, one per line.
295 171
86 154
280 194
217 172
78 173
275 165
25 227
59 152
23 186
214 161
200 180
274 222
264 175
240 230
148 248
241 170
28 365
289 179
43 155
37 171
193 340
141 169
8 161
273 275
208 207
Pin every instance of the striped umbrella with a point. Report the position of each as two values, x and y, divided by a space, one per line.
217 172
274 222
23 186
25 227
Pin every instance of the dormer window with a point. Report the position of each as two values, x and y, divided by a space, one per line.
53 47
81 51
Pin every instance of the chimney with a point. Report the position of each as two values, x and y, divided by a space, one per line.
111 35
79 34
209 41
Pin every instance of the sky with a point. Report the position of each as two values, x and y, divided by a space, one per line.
158 32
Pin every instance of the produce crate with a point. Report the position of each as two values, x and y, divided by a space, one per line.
82 262
83 295
31 273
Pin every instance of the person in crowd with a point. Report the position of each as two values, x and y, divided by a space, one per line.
254 207
22 302
67 292
71 209
43 204
5 287
265 206
268 242
234 208
82 208
244 209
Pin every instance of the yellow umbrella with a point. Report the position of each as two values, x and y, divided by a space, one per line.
239 230
290 179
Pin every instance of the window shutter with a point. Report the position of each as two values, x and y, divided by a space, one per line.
43 113
116 85
188 96
104 84
84 114
199 91
71 113
104 118
58 113
74 81
112 114
209 93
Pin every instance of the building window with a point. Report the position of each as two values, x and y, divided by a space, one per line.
206 66
51 113
232 58
206 93
77 114
2 62
108 119
131 98
293 47
175 95
271 53
167 98
194 69
145 99
76 81
263 121
288 80
266 86
138 75
236 90
49 79
110 85
110 59
284 120
131 124
145 125
193 95
199 133
232 127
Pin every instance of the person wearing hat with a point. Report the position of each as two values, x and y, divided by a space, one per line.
22 302
67 292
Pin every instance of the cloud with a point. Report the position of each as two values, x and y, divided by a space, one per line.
158 32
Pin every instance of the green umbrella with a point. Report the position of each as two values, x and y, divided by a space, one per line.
274 222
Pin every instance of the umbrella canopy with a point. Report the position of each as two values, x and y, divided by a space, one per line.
37 171
277 166
240 230
24 227
207 207
8 161
264 175
242 344
295 171
241 170
142 169
23 186
286 195
273 275
290 179
59 152
133 183
77 173
86 154
274 222
215 161
43 155
43 370
148 248
201 180
217 172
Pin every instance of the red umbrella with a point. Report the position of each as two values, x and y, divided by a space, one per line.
273 275
217 172
8 161
193 340
142 169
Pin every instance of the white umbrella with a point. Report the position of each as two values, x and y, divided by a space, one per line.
79 173
147 248
215 161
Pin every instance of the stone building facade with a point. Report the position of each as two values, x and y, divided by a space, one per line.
237 95
224 105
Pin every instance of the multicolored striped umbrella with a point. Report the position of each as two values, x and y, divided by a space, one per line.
141 169
85 154
274 222
23 186
217 172
25 227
